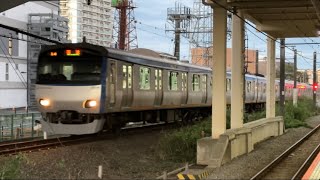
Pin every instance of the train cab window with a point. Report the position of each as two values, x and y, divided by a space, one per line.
196 82
173 81
67 71
144 82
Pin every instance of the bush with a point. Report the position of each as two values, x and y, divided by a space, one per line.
295 116
180 145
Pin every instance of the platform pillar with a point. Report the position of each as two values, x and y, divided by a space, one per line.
237 79
271 73
219 72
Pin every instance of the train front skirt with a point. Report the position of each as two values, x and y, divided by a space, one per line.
74 129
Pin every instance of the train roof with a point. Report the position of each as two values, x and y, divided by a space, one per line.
156 62
132 57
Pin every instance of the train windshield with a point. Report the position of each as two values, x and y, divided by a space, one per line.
69 70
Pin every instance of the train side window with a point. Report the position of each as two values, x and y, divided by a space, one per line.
124 76
184 81
248 86
144 78
129 76
173 81
195 82
228 84
156 79
204 82
112 73
160 79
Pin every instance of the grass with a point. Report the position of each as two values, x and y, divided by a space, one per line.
11 169
180 145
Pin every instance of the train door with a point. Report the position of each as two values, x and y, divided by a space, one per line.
204 89
184 88
112 83
126 85
158 87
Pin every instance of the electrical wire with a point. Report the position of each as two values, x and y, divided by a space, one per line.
245 21
20 76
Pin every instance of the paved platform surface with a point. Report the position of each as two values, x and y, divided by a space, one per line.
313 171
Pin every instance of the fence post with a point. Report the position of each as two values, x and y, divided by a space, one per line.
1 131
12 127
22 132
165 175
32 124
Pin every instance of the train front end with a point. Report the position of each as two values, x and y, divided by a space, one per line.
70 89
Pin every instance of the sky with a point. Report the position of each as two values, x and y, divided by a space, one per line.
151 16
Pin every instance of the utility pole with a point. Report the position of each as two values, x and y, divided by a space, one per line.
315 84
257 62
282 76
295 90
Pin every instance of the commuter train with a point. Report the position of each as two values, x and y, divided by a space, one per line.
83 88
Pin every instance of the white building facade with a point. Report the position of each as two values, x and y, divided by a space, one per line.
13 53
94 21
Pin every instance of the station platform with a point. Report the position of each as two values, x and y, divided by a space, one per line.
313 171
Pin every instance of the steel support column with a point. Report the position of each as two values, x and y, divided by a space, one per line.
237 72
219 72
282 77
295 90
270 91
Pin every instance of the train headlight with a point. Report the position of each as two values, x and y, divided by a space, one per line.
90 104
44 102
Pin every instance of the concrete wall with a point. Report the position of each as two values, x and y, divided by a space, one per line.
236 142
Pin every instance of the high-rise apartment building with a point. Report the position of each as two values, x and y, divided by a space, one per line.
94 21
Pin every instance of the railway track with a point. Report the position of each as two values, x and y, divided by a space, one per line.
42 144
290 163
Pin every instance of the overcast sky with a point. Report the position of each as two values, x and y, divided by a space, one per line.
151 16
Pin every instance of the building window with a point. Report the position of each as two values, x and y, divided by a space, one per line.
7 71
173 81
196 82
144 82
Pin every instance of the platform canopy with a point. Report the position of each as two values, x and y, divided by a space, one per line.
8 4
279 18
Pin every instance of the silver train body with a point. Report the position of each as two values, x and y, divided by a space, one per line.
83 88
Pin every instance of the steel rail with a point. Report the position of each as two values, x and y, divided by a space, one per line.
25 146
303 169
285 154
